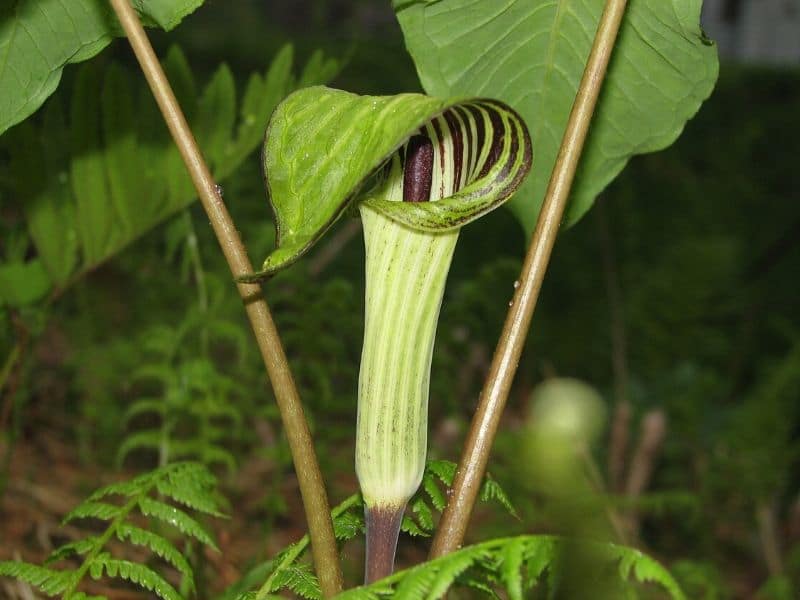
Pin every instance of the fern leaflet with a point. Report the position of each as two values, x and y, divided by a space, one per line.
187 484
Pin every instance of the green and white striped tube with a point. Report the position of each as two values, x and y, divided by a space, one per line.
406 271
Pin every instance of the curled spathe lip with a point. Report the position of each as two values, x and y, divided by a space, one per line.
323 145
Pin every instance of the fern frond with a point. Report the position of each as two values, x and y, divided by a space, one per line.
502 562
137 486
141 575
93 510
451 571
159 546
141 440
407 525
416 585
511 559
177 518
185 483
491 490
435 494
538 557
444 472
143 406
299 579
644 569
49 581
192 485
423 514
206 452
76 548
163 373
347 526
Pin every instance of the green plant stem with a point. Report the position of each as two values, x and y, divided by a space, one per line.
472 466
312 489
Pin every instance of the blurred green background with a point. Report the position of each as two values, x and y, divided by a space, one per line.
675 298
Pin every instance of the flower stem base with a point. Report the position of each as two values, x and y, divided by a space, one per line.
383 530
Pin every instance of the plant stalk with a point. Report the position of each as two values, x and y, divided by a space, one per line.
383 530
312 489
472 466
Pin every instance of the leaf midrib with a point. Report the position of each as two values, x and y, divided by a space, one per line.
549 62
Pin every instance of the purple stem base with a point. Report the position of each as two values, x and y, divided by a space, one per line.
383 530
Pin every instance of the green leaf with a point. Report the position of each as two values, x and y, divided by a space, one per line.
40 181
158 545
38 38
22 283
49 581
77 547
122 155
93 510
177 518
139 574
95 210
512 557
347 526
318 69
192 485
644 569
299 579
93 181
261 96
216 115
532 54
323 145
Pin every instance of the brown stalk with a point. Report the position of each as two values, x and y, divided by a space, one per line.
621 419
651 439
312 489
618 444
767 521
472 466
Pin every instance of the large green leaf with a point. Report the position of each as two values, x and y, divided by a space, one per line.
92 178
38 38
531 54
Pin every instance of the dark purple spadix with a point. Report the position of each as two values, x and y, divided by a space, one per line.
418 169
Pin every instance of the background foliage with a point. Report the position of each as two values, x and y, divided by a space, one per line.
689 258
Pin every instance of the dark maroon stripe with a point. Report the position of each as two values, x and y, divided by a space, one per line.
480 131
442 158
498 133
469 143
458 148
418 170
